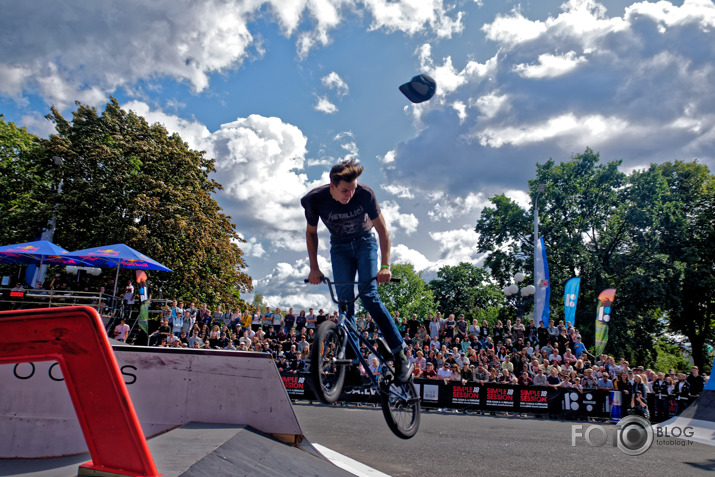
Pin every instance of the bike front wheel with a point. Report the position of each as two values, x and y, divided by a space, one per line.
327 376
401 407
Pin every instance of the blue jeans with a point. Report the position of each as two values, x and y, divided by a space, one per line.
360 256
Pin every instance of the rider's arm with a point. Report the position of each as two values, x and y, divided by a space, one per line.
311 239
383 235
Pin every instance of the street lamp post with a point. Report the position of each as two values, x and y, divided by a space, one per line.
539 190
520 295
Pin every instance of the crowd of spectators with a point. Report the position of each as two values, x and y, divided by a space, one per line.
442 348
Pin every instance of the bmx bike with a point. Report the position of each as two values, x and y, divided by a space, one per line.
336 350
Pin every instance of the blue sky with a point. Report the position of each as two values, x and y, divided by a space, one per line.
278 91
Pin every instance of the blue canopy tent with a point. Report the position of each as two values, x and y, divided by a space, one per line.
39 252
119 256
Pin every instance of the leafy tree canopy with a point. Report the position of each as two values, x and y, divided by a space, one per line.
465 288
643 233
125 181
410 296
26 184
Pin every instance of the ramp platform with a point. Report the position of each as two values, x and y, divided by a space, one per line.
203 450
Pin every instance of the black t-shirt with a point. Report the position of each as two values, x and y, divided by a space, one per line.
289 320
300 321
697 383
413 325
344 221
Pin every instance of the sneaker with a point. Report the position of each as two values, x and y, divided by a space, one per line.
403 368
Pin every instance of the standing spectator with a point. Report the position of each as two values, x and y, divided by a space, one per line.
188 322
449 326
638 399
518 330
508 330
121 331
277 320
542 334
435 327
256 320
682 393
413 325
311 320
177 322
267 319
604 382
660 389
578 348
300 322
203 315
474 328
532 332
696 382
128 299
320 318
624 386
484 330
289 321
246 320
498 332
461 328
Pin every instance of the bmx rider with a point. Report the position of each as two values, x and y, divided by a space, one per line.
350 211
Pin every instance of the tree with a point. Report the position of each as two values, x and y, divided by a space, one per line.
687 235
26 184
599 224
125 181
258 303
465 288
410 296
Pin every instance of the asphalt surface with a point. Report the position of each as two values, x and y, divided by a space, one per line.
449 444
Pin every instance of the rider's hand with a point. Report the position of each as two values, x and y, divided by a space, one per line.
384 275
315 276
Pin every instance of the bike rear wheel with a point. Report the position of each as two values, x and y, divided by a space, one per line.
327 376
401 407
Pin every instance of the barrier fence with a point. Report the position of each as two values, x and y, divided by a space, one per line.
566 403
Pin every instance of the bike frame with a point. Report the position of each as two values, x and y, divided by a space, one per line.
353 337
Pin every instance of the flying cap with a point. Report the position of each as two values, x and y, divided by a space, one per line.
419 89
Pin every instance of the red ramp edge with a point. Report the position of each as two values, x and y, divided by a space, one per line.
75 338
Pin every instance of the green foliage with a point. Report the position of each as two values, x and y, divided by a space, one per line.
669 356
410 296
26 182
125 181
258 303
465 288
687 265
646 234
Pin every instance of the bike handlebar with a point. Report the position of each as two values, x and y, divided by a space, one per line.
329 282
331 286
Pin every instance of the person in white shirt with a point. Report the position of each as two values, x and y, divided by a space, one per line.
445 372
121 331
